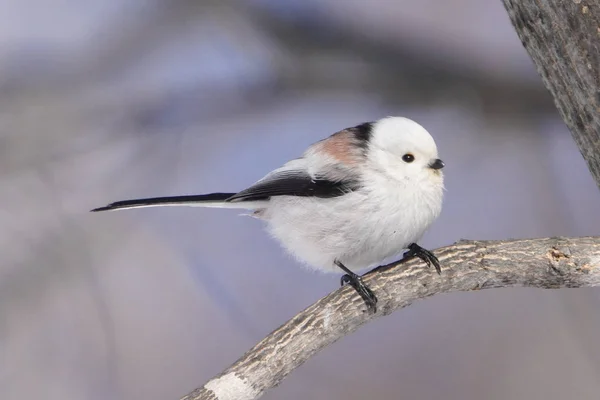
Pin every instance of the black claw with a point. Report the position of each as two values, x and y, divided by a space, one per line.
354 280
344 280
363 290
414 250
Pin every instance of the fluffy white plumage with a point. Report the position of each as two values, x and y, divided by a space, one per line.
394 208
359 197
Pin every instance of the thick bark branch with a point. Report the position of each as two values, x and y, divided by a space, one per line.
468 265
563 39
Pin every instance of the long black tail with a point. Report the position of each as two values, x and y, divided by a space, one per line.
200 200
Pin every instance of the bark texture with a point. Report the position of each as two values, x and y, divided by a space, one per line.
563 39
548 263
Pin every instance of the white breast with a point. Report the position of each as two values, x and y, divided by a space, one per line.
361 228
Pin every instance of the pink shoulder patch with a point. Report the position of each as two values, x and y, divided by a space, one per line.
342 147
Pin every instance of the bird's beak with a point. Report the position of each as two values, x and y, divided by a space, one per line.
437 164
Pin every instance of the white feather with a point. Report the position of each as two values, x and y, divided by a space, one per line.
398 203
395 204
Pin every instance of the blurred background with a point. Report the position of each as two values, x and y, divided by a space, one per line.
103 101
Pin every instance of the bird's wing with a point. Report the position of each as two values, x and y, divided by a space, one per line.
292 181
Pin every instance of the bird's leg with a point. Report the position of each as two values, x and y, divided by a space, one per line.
357 283
414 250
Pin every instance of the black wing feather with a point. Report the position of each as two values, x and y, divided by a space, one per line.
295 184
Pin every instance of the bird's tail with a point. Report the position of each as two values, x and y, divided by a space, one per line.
201 200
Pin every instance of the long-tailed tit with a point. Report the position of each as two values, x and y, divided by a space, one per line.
354 199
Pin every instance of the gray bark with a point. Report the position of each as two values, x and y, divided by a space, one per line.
549 263
563 39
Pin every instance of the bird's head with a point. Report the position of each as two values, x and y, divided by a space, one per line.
404 150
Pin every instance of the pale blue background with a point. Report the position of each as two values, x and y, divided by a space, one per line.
101 101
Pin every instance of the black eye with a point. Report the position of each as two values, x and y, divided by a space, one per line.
408 158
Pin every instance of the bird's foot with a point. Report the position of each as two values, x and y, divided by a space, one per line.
363 290
354 280
414 250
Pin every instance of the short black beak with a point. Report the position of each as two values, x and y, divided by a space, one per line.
437 164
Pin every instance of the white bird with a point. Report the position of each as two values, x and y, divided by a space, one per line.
354 199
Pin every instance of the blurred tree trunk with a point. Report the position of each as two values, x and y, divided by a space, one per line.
563 39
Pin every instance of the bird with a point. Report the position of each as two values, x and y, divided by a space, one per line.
350 201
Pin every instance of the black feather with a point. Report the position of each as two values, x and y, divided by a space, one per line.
162 200
363 133
295 184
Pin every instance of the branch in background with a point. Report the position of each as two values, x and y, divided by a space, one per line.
563 39
316 39
468 265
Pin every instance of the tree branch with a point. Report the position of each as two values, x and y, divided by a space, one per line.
562 37
549 263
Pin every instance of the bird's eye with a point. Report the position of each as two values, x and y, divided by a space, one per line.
408 158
